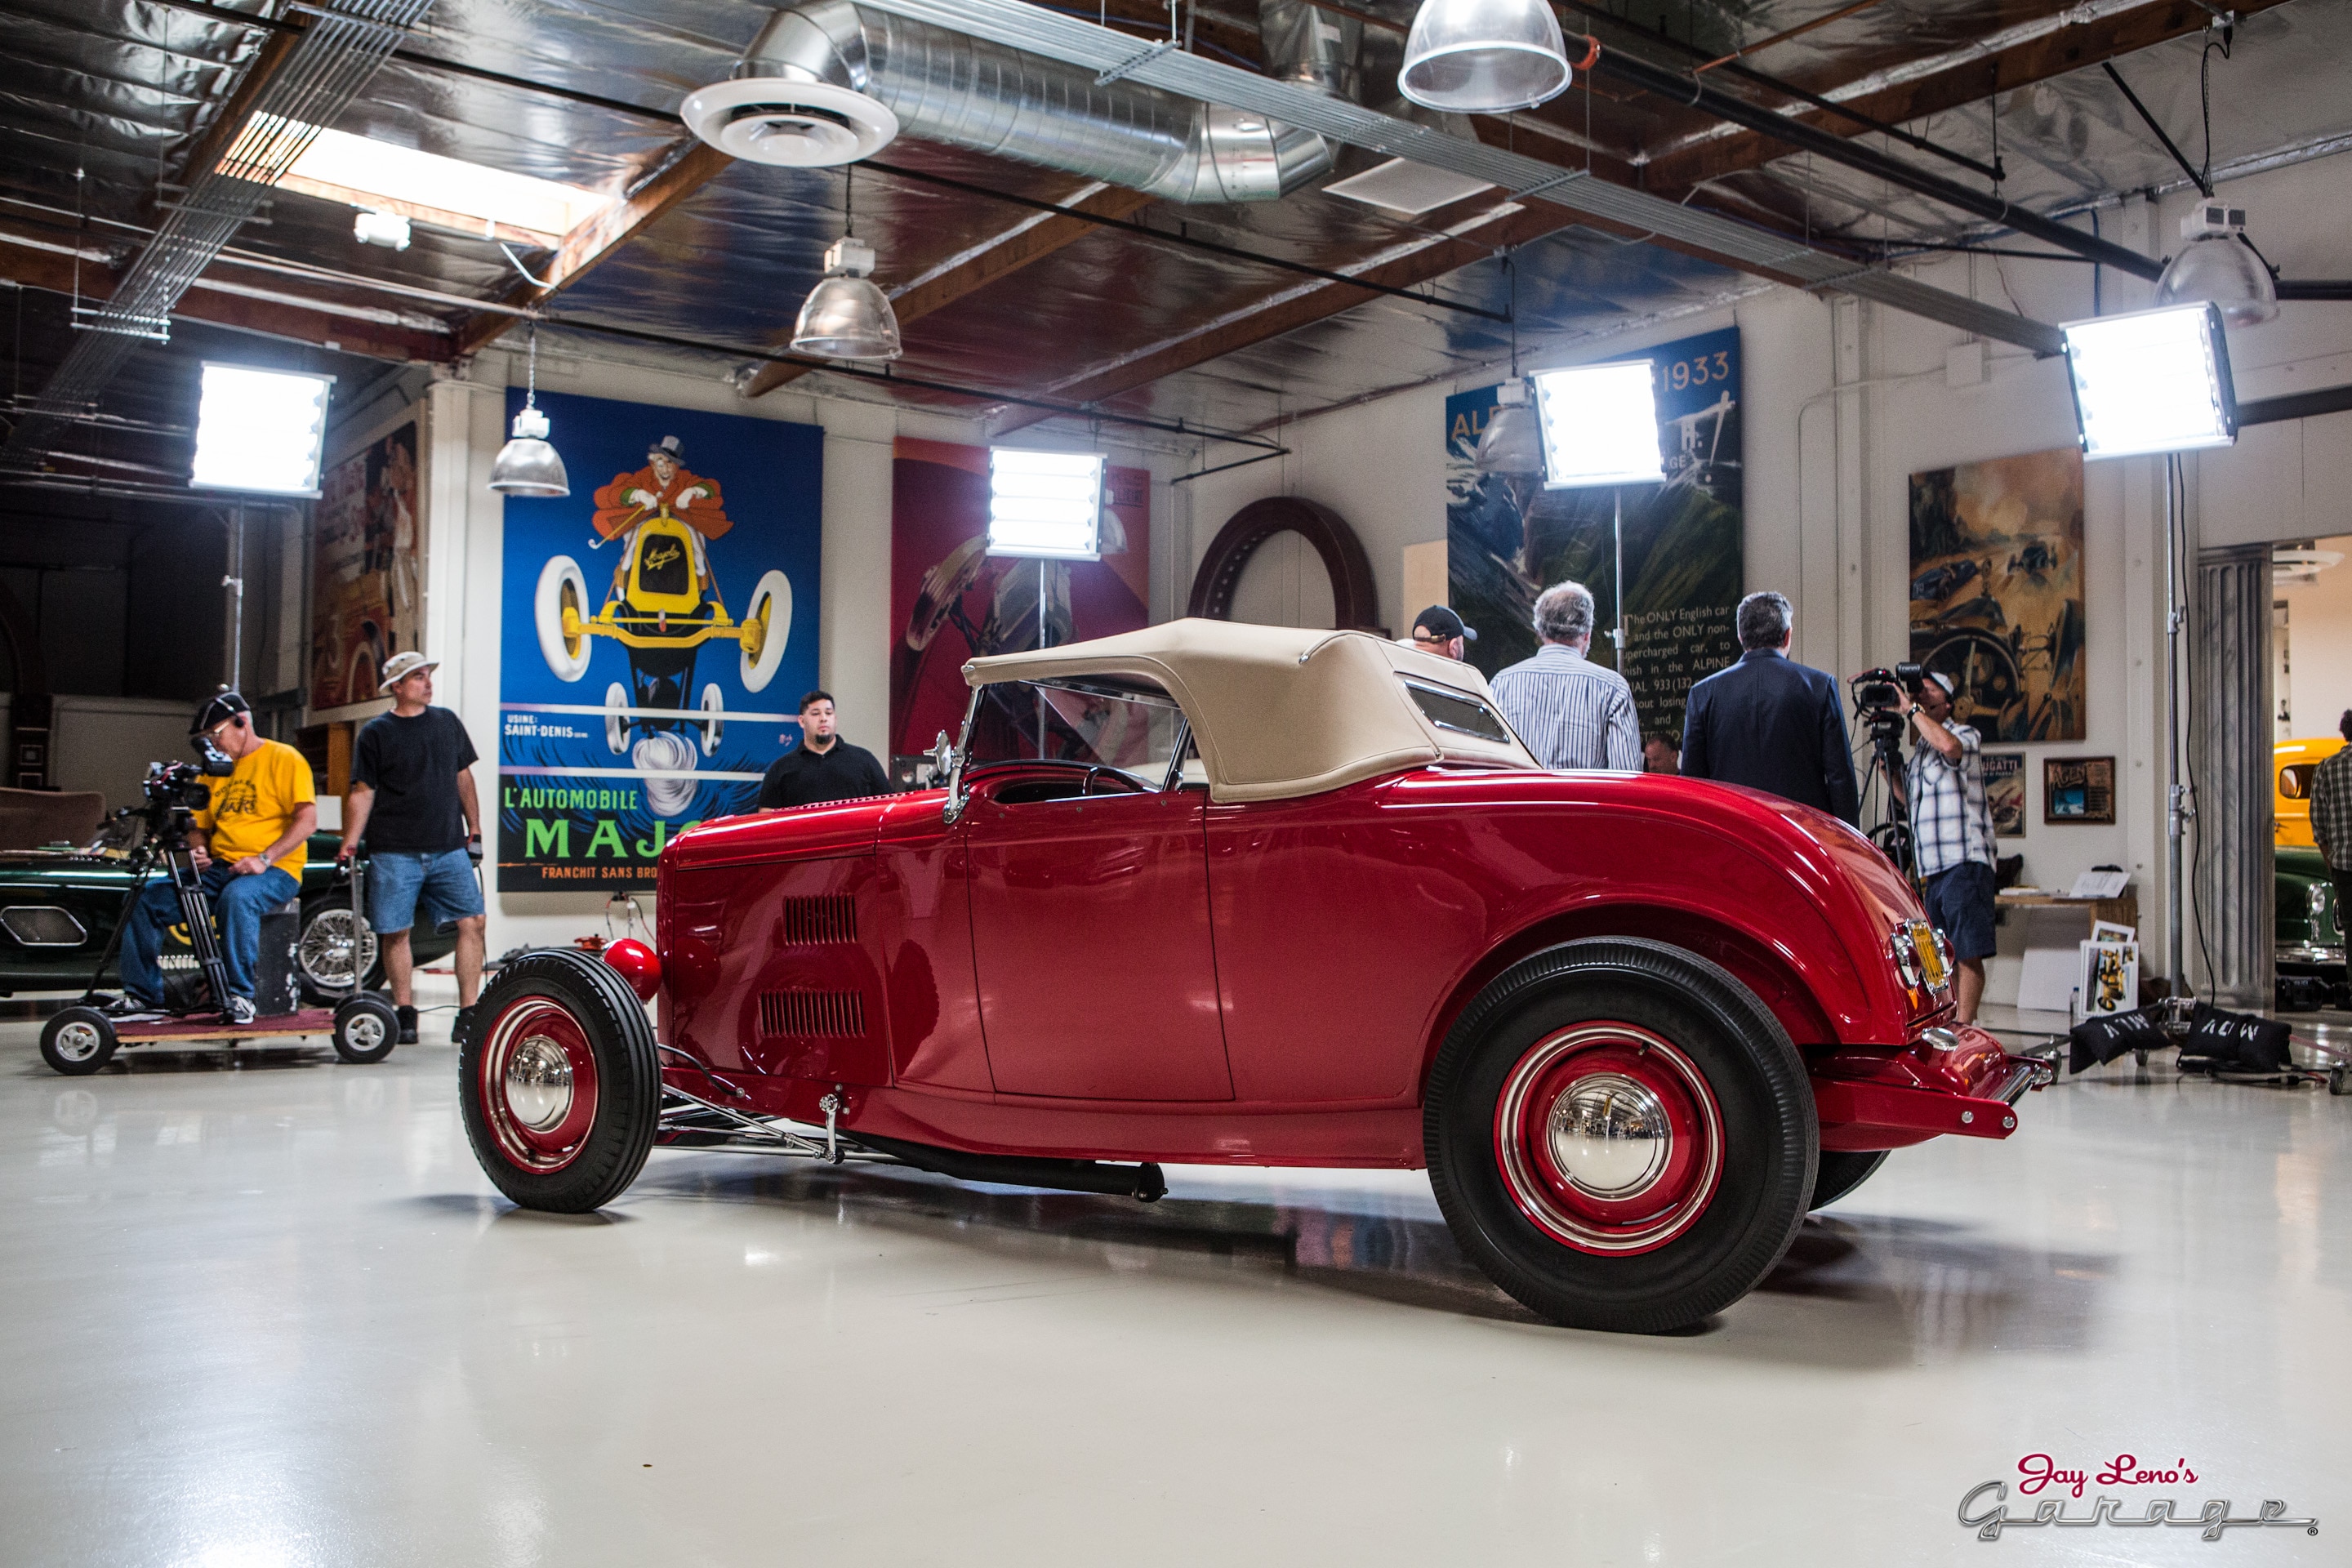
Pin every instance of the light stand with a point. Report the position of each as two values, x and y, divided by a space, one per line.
2178 807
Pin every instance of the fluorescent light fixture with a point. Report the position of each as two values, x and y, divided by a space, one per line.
2151 381
425 187
1045 504
262 431
1599 424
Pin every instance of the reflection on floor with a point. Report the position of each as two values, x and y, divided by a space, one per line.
267 1312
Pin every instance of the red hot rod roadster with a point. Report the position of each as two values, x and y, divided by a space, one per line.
1221 894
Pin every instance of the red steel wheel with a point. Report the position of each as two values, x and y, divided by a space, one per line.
538 1084
559 1085
1609 1138
1620 1135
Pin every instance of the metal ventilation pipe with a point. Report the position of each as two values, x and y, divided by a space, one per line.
947 86
1313 48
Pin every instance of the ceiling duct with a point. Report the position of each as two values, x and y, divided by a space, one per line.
1313 48
339 53
797 85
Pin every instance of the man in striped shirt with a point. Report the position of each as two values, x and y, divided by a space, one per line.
1571 713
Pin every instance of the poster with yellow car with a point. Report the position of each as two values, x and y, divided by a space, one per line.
655 649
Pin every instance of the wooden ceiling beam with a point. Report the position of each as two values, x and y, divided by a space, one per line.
1966 81
1032 239
688 165
1288 309
40 262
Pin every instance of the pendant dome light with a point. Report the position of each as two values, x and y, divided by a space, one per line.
1512 443
2217 266
846 315
526 465
1484 57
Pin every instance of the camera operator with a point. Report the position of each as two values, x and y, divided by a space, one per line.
249 855
1951 833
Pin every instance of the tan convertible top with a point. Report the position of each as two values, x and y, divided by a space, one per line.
1278 711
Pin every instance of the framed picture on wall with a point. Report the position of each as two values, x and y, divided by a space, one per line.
2078 789
2005 777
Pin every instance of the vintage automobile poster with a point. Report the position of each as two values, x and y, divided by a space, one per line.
1997 591
367 598
1508 538
950 600
2004 777
660 626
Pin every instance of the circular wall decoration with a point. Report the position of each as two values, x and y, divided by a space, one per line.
1355 602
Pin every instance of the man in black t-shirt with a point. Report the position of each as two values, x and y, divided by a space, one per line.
413 798
823 766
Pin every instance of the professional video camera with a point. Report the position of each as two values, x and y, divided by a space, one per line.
1882 703
174 792
1884 692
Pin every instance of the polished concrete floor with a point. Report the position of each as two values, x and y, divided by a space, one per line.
270 1314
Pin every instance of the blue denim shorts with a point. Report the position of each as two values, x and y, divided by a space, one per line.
1960 900
398 881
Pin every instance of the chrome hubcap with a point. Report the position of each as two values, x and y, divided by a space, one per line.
539 1083
78 1042
1610 1136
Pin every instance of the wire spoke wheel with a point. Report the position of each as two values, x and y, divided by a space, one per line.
337 952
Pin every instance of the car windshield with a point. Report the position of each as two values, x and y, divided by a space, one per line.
1099 721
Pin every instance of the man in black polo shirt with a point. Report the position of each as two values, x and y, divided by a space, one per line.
823 766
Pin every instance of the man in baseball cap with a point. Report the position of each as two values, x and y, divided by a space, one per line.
1440 631
1952 835
413 796
248 853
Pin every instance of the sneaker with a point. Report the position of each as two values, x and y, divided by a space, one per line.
461 1027
239 1012
129 1006
407 1025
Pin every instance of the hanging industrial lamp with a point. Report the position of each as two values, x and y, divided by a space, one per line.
1512 443
526 465
2217 267
1484 57
846 315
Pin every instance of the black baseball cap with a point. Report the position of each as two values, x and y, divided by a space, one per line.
1444 623
226 706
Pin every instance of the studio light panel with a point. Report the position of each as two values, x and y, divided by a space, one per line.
2151 381
1045 504
1599 424
260 431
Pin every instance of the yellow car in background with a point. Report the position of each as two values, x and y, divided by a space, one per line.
2310 929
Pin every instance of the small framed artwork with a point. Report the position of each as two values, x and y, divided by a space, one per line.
2110 978
2078 789
2004 777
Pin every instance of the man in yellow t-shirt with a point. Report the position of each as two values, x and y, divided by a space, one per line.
248 851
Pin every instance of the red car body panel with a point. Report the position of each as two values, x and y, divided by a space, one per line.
1139 976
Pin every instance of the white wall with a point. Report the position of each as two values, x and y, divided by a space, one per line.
2320 645
104 743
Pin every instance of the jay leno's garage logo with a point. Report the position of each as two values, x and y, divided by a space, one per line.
1986 1510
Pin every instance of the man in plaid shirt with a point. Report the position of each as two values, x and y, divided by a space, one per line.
2331 818
1951 833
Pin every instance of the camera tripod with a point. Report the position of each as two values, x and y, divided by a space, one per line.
167 846
1893 835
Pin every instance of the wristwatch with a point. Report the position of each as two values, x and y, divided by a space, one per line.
1915 709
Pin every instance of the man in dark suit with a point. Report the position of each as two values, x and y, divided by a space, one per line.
1769 722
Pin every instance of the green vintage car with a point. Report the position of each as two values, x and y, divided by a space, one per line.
58 908
2310 926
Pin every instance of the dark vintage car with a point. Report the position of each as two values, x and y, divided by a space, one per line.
1245 895
58 909
2310 933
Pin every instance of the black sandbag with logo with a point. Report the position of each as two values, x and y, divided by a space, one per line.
2095 1042
2221 1041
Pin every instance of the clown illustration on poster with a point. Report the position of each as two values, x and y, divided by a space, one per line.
659 627
1508 538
